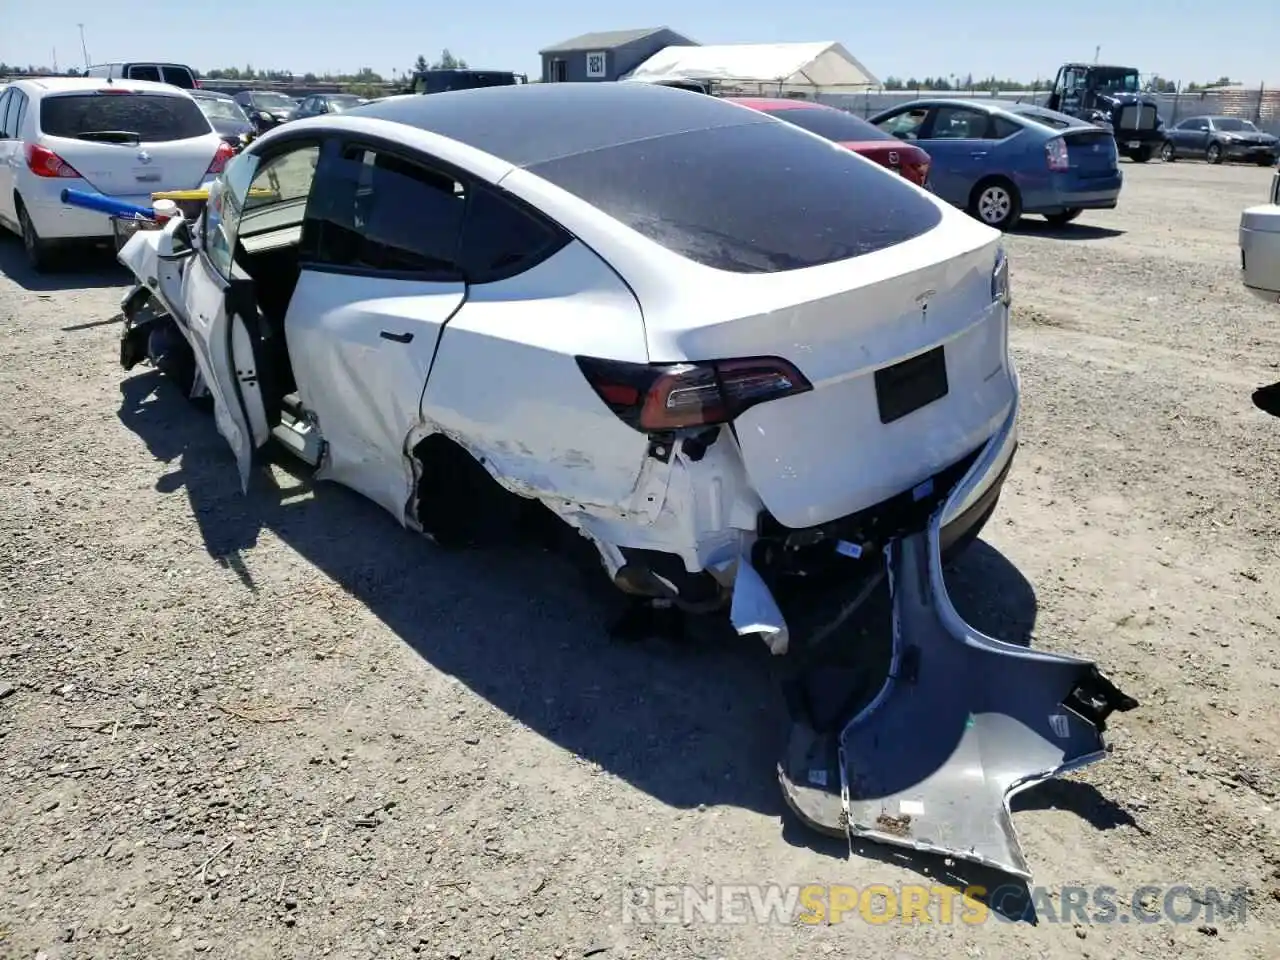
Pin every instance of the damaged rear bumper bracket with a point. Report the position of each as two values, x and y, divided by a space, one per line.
961 724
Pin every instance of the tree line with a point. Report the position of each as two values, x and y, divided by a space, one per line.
1155 84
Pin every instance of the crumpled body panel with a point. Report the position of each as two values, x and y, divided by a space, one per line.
961 723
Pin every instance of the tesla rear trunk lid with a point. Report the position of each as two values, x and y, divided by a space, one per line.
174 147
909 375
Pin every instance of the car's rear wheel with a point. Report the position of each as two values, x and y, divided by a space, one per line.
1063 218
1265 162
1166 152
39 252
1214 153
996 203
1142 154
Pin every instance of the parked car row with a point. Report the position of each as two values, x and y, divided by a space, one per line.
1218 139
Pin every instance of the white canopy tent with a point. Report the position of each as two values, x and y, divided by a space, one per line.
775 69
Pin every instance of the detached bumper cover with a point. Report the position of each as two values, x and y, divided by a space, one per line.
962 722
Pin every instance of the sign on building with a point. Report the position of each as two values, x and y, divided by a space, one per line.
596 64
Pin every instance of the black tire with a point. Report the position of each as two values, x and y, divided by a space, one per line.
1264 162
39 252
1143 154
996 202
1214 153
1167 153
1063 218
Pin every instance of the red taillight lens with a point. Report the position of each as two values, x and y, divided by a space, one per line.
1055 152
43 162
657 397
917 171
224 153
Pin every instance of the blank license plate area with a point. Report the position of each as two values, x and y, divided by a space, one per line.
907 386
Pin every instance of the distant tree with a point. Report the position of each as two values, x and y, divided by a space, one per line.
309 78
421 64
893 83
448 61
913 83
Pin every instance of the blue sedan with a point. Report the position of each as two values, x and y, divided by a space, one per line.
1000 160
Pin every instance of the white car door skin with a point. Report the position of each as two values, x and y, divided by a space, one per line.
224 354
361 349
218 336
10 156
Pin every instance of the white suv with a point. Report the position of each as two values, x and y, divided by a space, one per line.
125 139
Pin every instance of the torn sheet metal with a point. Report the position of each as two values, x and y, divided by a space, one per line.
962 722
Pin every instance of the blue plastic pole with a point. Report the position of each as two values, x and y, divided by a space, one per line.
96 201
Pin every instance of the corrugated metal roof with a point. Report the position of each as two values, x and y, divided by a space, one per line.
604 40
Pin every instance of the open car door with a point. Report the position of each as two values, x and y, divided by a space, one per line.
231 343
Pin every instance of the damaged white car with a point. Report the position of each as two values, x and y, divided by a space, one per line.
730 355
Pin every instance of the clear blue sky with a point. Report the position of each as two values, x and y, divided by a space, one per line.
1009 38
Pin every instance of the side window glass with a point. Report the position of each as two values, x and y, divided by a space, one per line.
6 99
145 73
249 190
1001 128
373 211
500 239
21 98
959 123
905 125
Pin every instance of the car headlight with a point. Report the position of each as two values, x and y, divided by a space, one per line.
1000 292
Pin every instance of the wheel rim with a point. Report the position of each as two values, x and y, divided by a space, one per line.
1213 153
994 205
1166 152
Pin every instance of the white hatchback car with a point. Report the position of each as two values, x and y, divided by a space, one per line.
125 139
731 355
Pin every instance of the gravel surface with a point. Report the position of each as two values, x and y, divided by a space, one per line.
280 726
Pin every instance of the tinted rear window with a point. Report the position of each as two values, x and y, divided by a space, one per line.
154 117
835 125
179 77
755 198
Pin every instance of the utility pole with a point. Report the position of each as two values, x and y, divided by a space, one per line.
83 49
1096 51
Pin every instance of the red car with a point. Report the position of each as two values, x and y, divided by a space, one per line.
848 131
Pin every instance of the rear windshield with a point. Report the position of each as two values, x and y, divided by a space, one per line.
154 117
758 197
834 125
215 108
1044 119
272 101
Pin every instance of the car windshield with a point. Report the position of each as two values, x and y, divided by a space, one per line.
338 104
1231 124
152 117
272 101
832 124
1117 82
215 108
1048 120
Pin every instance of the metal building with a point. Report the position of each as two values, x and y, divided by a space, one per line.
606 55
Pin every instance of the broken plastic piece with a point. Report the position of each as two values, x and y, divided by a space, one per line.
962 722
754 611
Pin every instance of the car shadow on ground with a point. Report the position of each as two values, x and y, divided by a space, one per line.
1267 399
75 268
1028 227
689 724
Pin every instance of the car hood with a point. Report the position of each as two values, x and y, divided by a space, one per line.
1250 136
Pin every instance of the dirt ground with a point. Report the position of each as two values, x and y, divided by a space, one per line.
281 726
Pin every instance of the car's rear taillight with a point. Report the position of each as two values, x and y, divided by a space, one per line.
43 162
1055 152
224 153
917 171
669 396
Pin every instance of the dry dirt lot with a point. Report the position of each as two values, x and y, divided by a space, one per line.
282 727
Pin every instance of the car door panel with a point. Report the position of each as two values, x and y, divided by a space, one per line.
506 380
216 311
10 157
361 348
958 162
